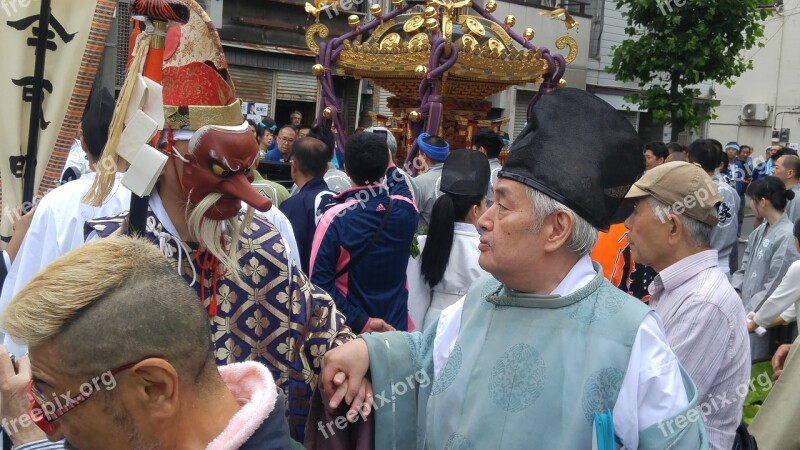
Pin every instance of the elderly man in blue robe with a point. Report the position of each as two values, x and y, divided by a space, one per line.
544 352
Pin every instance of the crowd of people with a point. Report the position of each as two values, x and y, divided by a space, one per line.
590 298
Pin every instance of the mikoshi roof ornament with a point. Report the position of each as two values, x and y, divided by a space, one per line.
450 49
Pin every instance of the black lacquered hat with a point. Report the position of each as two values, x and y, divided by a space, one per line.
465 172
580 151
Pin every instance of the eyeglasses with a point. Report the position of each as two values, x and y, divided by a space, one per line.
285 139
45 420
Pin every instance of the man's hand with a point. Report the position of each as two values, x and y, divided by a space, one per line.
343 371
377 326
14 400
779 359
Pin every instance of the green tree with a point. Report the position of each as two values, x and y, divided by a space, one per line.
675 44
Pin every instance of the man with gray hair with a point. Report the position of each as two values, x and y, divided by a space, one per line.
545 348
670 230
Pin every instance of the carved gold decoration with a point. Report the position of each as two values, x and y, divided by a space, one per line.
430 11
561 14
421 70
564 41
431 24
562 83
510 20
376 10
418 41
468 42
354 21
392 40
381 29
447 29
318 70
327 112
495 46
491 6
528 34
473 27
501 34
315 29
415 116
414 23
318 7
449 5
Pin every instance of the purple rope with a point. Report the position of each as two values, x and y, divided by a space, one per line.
556 65
430 95
329 52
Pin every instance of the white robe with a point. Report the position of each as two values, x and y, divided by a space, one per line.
57 228
426 303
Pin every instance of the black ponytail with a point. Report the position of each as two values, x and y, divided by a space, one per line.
772 189
446 211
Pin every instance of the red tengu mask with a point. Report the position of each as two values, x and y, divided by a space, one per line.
219 162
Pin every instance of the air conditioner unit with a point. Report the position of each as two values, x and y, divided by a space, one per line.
755 111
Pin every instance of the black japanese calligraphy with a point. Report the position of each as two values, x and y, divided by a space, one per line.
29 83
27 22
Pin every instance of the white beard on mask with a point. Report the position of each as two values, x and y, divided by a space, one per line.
218 237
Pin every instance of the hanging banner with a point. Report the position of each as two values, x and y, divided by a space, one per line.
77 32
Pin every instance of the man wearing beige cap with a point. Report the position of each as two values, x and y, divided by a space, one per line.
675 211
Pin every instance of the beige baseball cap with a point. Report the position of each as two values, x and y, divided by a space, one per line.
685 188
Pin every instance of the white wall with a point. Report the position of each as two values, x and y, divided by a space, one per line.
773 80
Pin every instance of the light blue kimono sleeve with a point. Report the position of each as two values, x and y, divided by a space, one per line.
401 366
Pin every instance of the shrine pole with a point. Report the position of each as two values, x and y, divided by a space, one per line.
29 177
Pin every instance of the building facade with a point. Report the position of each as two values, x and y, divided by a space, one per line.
763 107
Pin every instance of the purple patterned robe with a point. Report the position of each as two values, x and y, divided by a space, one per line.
287 325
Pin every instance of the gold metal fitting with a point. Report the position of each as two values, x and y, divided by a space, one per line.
318 70
327 112
354 21
510 20
430 11
432 24
528 34
414 116
376 10
421 70
491 6
562 83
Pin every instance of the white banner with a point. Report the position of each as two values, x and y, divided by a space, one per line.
77 30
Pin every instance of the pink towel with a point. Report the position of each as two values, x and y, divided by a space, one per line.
252 385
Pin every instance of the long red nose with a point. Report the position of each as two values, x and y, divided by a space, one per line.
238 186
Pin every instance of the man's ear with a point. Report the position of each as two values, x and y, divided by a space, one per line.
154 385
558 229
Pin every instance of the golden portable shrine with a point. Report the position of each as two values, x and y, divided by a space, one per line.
440 58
